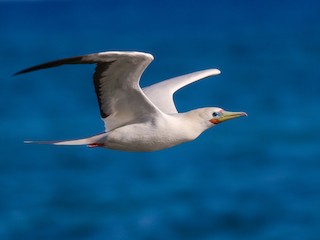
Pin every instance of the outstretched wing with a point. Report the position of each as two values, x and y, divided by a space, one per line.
116 81
161 94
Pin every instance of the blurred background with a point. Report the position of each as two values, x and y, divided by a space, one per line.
250 178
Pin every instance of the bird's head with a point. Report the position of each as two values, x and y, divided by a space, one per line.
202 119
213 115
218 115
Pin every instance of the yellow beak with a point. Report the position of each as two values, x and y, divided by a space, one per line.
227 116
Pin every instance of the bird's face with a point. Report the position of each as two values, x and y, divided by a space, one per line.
218 115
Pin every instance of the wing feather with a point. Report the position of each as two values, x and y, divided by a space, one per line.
116 81
161 93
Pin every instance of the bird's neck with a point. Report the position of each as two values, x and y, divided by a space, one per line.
193 121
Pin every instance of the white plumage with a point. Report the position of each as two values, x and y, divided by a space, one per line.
140 119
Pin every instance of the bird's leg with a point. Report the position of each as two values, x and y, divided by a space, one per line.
93 145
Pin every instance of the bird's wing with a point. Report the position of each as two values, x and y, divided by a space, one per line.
161 94
116 81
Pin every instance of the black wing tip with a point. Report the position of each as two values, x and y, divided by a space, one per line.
56 63
20 72
28 70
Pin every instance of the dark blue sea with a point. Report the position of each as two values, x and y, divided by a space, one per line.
254 178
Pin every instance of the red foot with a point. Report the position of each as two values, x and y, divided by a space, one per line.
93 145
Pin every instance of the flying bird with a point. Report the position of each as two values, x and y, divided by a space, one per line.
135 118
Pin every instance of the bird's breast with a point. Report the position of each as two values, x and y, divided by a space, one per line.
149 136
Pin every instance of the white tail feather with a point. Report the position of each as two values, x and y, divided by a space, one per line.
84 141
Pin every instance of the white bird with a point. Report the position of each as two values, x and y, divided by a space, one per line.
138 119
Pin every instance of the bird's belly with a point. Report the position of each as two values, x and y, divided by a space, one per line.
144 138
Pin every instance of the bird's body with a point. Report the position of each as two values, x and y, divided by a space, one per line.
160 133
148 135
140 119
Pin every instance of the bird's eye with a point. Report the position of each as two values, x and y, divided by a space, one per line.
215 114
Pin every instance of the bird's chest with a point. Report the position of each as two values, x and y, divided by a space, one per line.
148 136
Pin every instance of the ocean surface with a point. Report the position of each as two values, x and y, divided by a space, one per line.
254 178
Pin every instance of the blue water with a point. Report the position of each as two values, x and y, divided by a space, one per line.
250 178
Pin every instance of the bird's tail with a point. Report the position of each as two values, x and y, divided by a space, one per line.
93 141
